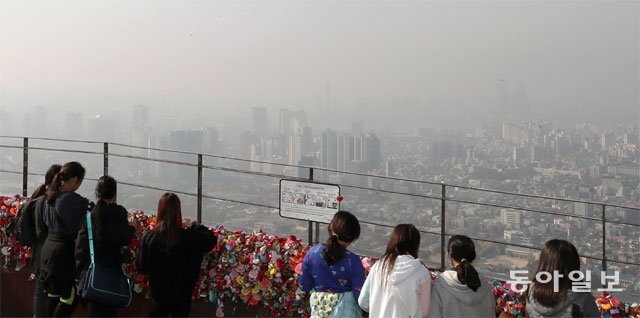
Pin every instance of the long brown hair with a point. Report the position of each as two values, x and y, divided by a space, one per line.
405 239
344 227
463 251
169 219
68 171
561 256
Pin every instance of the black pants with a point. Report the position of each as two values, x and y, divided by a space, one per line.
39 300
171 309
56 308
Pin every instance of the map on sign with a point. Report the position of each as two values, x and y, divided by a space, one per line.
309 201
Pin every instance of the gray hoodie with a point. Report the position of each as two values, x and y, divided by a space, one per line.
450 298
575 305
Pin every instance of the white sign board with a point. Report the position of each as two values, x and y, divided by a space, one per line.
309 201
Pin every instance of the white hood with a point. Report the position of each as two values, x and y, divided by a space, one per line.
405 268
397 295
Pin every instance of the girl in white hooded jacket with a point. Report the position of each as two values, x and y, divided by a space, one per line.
399 285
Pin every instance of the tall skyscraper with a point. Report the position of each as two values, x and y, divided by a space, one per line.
246 141
285 118
306 144
371 151
342 151
328 149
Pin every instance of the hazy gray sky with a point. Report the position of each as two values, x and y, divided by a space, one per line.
569 56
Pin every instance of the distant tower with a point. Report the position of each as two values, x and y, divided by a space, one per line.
328 149
284 122
504 104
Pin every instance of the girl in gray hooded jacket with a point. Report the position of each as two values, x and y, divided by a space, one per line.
461 292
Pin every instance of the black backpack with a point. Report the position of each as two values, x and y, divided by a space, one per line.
23 226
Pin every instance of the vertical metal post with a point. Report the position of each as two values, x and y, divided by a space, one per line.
443 204
105 159
25 165
199 217
604 238
311 222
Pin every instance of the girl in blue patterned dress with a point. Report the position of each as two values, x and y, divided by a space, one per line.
333 274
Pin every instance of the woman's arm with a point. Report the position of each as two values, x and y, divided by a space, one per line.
124 231
363 300
41 227
425 295
357 280
142 259
306 277
83 257
435 304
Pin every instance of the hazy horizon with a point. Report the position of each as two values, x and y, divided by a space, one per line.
385 63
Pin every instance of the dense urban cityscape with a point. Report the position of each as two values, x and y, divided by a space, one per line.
581 162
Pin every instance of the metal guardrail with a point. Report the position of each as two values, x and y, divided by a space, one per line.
443 198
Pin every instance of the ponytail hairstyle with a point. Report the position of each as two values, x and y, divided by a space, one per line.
48 178
106 189
343 227
462 250
68 171
404 240
556 255
169 219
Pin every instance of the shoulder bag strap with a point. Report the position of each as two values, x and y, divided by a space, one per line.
90 236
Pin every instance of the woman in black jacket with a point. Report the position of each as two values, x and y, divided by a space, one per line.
39 295
172 255
62 215
110 231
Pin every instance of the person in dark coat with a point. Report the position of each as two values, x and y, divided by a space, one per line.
111 231
172 255
39 295
62 216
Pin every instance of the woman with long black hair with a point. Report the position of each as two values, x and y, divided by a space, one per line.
110 232
172 255
62 216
